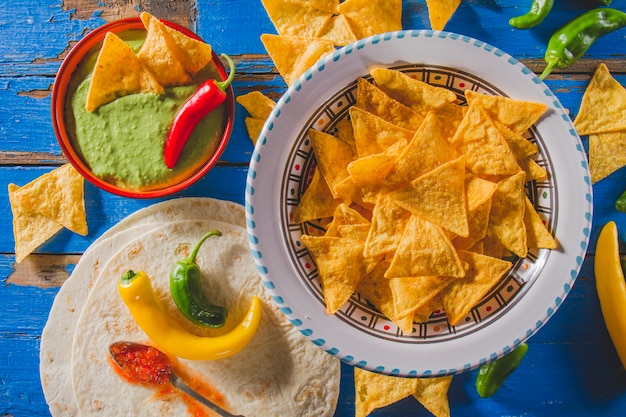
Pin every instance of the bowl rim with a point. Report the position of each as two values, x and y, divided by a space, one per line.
59 91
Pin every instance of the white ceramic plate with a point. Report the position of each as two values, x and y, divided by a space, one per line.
358 334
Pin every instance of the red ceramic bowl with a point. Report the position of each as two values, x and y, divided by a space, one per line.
60 90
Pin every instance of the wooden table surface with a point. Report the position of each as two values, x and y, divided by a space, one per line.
571 368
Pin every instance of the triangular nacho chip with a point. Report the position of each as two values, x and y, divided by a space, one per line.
388 223
432 393
373 134
372 17
464 293
603 93
424 250
537 234
484 146
337 30
296 19
440 11
374 100
373 169
292 56
506 220
329 6
118 72
517 115
412 293
373 391
427 150
438 196
418 95
607 154
160 55
254 127
57 195
257 104
478 221
332 156
344 215
30 228
317 201
340 267
192 53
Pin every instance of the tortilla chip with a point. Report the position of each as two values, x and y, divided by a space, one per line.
432 393
537 235
484 146
374 100
373 391
30 228
412 293
317 201
418 95
254 127
506 220
478 190
160 55
373 134
517 115
427 150
257 104
58 196
292 56
450 117
607 154
332 156
387 227
337 31
295 19
438 196
118 72
478 221
344 215
520 146
440 11
372 17
603 106
192 53
463 294
329 6
340 266
424 250
534 171
345 133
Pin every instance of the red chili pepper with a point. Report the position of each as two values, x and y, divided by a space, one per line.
207 97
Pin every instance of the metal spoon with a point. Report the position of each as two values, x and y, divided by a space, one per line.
131 357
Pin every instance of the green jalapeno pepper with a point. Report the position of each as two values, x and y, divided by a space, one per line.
492 375
539 9
572 40
186 290
620 203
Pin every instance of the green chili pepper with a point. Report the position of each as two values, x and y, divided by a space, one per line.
605 2
186 290
539 9
572 40
492 375
620 203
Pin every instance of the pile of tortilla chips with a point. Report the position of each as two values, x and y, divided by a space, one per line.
44 206
422 198
166 58
602 116
309 29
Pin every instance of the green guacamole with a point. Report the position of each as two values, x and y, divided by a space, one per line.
122 141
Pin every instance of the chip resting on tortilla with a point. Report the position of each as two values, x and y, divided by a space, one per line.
464 293
118 72
30 228
59 196
440 11
603 106
160 55
297 19
192 53
372 17
607 154
418 95
292 56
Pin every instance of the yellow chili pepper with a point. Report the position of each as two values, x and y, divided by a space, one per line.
136 291
611 287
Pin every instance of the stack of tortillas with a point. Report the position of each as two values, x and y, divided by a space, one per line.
280 373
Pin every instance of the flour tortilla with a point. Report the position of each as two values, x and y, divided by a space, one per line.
280 373
55 356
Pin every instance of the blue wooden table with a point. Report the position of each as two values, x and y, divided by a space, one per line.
571 367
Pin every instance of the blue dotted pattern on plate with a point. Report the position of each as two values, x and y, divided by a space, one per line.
256 156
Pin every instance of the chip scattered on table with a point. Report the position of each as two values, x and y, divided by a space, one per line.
440 12
44 206
372 17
